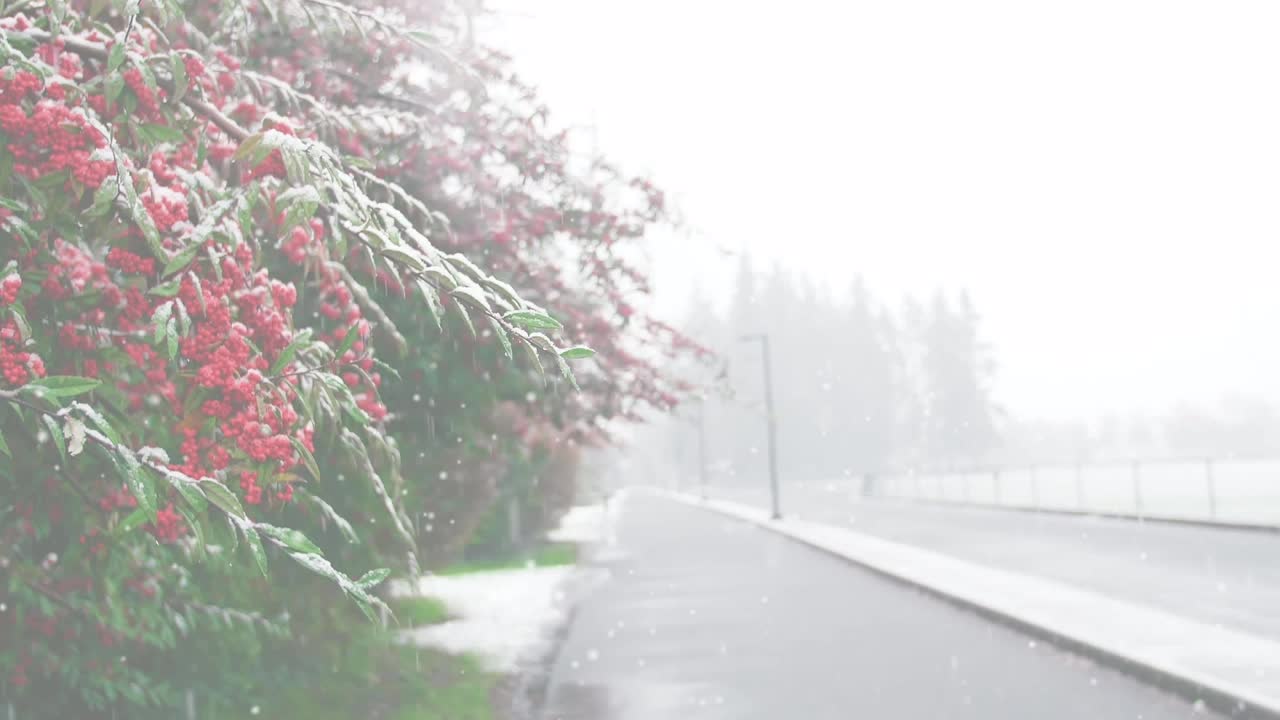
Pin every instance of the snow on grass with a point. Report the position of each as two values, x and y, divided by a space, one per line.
502 616
591 524
506 617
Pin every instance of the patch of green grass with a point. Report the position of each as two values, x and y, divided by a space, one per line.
557 554
419 611
546 556
374 678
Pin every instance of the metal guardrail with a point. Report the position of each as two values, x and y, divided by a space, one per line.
1229 492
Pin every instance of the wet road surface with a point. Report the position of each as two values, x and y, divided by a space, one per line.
707 618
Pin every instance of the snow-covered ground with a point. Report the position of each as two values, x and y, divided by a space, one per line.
502 616
508 617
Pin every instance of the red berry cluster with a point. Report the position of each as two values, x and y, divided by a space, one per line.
148 105
273 164
195 70
249 486
337 304
167 206
302 240
130 263
9 289
18 366
167 528
50 137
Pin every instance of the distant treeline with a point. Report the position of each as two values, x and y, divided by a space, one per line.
863 386
859 386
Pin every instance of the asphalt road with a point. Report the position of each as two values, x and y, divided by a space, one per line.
1218 575
707 618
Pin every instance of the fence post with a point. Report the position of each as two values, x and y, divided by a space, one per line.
13 715
1213 494
1079 486
1137 489
191 704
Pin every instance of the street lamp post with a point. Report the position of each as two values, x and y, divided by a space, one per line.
702 445
771 418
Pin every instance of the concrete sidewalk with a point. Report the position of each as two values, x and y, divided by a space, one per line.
708 617
1218 576
1235 670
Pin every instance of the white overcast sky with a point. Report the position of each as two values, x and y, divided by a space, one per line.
1103 175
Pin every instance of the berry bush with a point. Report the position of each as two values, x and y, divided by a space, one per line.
258 301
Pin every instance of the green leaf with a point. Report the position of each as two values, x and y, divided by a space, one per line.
156 133
189 491
139 213
344 526
461 311
160 319
104 197
171 337
181 260
318 565
20 319
531 354
133 521
288 537
4 446
58 440
195 281
184 320
307 458
247 147
113 88
99 421
63 386
255 547
167 289
219 495
406 256
567 372
178 71
501 332
433 302
503 290
471 295
222 532
532 320
390 371
542 341
577 352
462 265
115 57
442 276
373 578
287 355
139 482
197 528
348 341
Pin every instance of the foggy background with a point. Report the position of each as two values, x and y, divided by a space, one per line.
1097 177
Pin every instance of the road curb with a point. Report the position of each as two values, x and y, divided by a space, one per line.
1218 695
